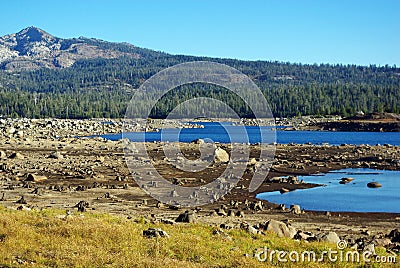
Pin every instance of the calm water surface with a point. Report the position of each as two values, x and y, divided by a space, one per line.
354 196
218 132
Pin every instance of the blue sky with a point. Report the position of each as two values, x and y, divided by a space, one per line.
359 32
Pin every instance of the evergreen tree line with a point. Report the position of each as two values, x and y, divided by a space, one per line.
104 87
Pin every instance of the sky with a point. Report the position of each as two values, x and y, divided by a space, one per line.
361 32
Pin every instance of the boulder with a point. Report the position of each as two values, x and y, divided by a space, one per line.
251 230
346 180
2 155
293 180
130 148
252 162
56 155
280 228
21 201
239 214
284 190
295 209
221 155
304 236
35 178
154 232
394 235
11 130
383 242
100 159
16 156
330 237
198 141
220 212
370 248
167 221
188 217
374 184
82 205
256 206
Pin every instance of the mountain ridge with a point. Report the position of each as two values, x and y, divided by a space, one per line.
33 48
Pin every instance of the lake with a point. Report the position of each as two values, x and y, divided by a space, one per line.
354 196
218 132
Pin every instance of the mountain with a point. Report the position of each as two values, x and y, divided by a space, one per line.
45 76
33 48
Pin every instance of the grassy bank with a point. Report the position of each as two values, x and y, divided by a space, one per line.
44 238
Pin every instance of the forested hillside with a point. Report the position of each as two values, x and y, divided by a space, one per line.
100 87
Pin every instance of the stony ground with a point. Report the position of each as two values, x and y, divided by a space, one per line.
40 168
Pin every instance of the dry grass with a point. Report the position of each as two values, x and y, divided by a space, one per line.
42 239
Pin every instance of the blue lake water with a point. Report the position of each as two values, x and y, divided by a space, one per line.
219 133
354 196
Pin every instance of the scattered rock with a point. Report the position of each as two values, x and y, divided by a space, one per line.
280 228
370 248
35 178
346 180
2 155
383 242
16 156
374 184
198 141
305 236
188 217
82 205
222 234
295 209
100 159
252 161
167 221
220 212
394 235
330 237
21 201
22 207
292 180
160 205
256 206
56 155
328 214
226 226
251 230
155 232
38 191
284 190
239 214
281 207
221 155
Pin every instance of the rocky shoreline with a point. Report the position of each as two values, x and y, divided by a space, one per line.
47 167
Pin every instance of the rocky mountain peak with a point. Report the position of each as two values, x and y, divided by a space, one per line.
33 34
33 48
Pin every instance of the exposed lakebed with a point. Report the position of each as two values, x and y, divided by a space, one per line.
354 196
